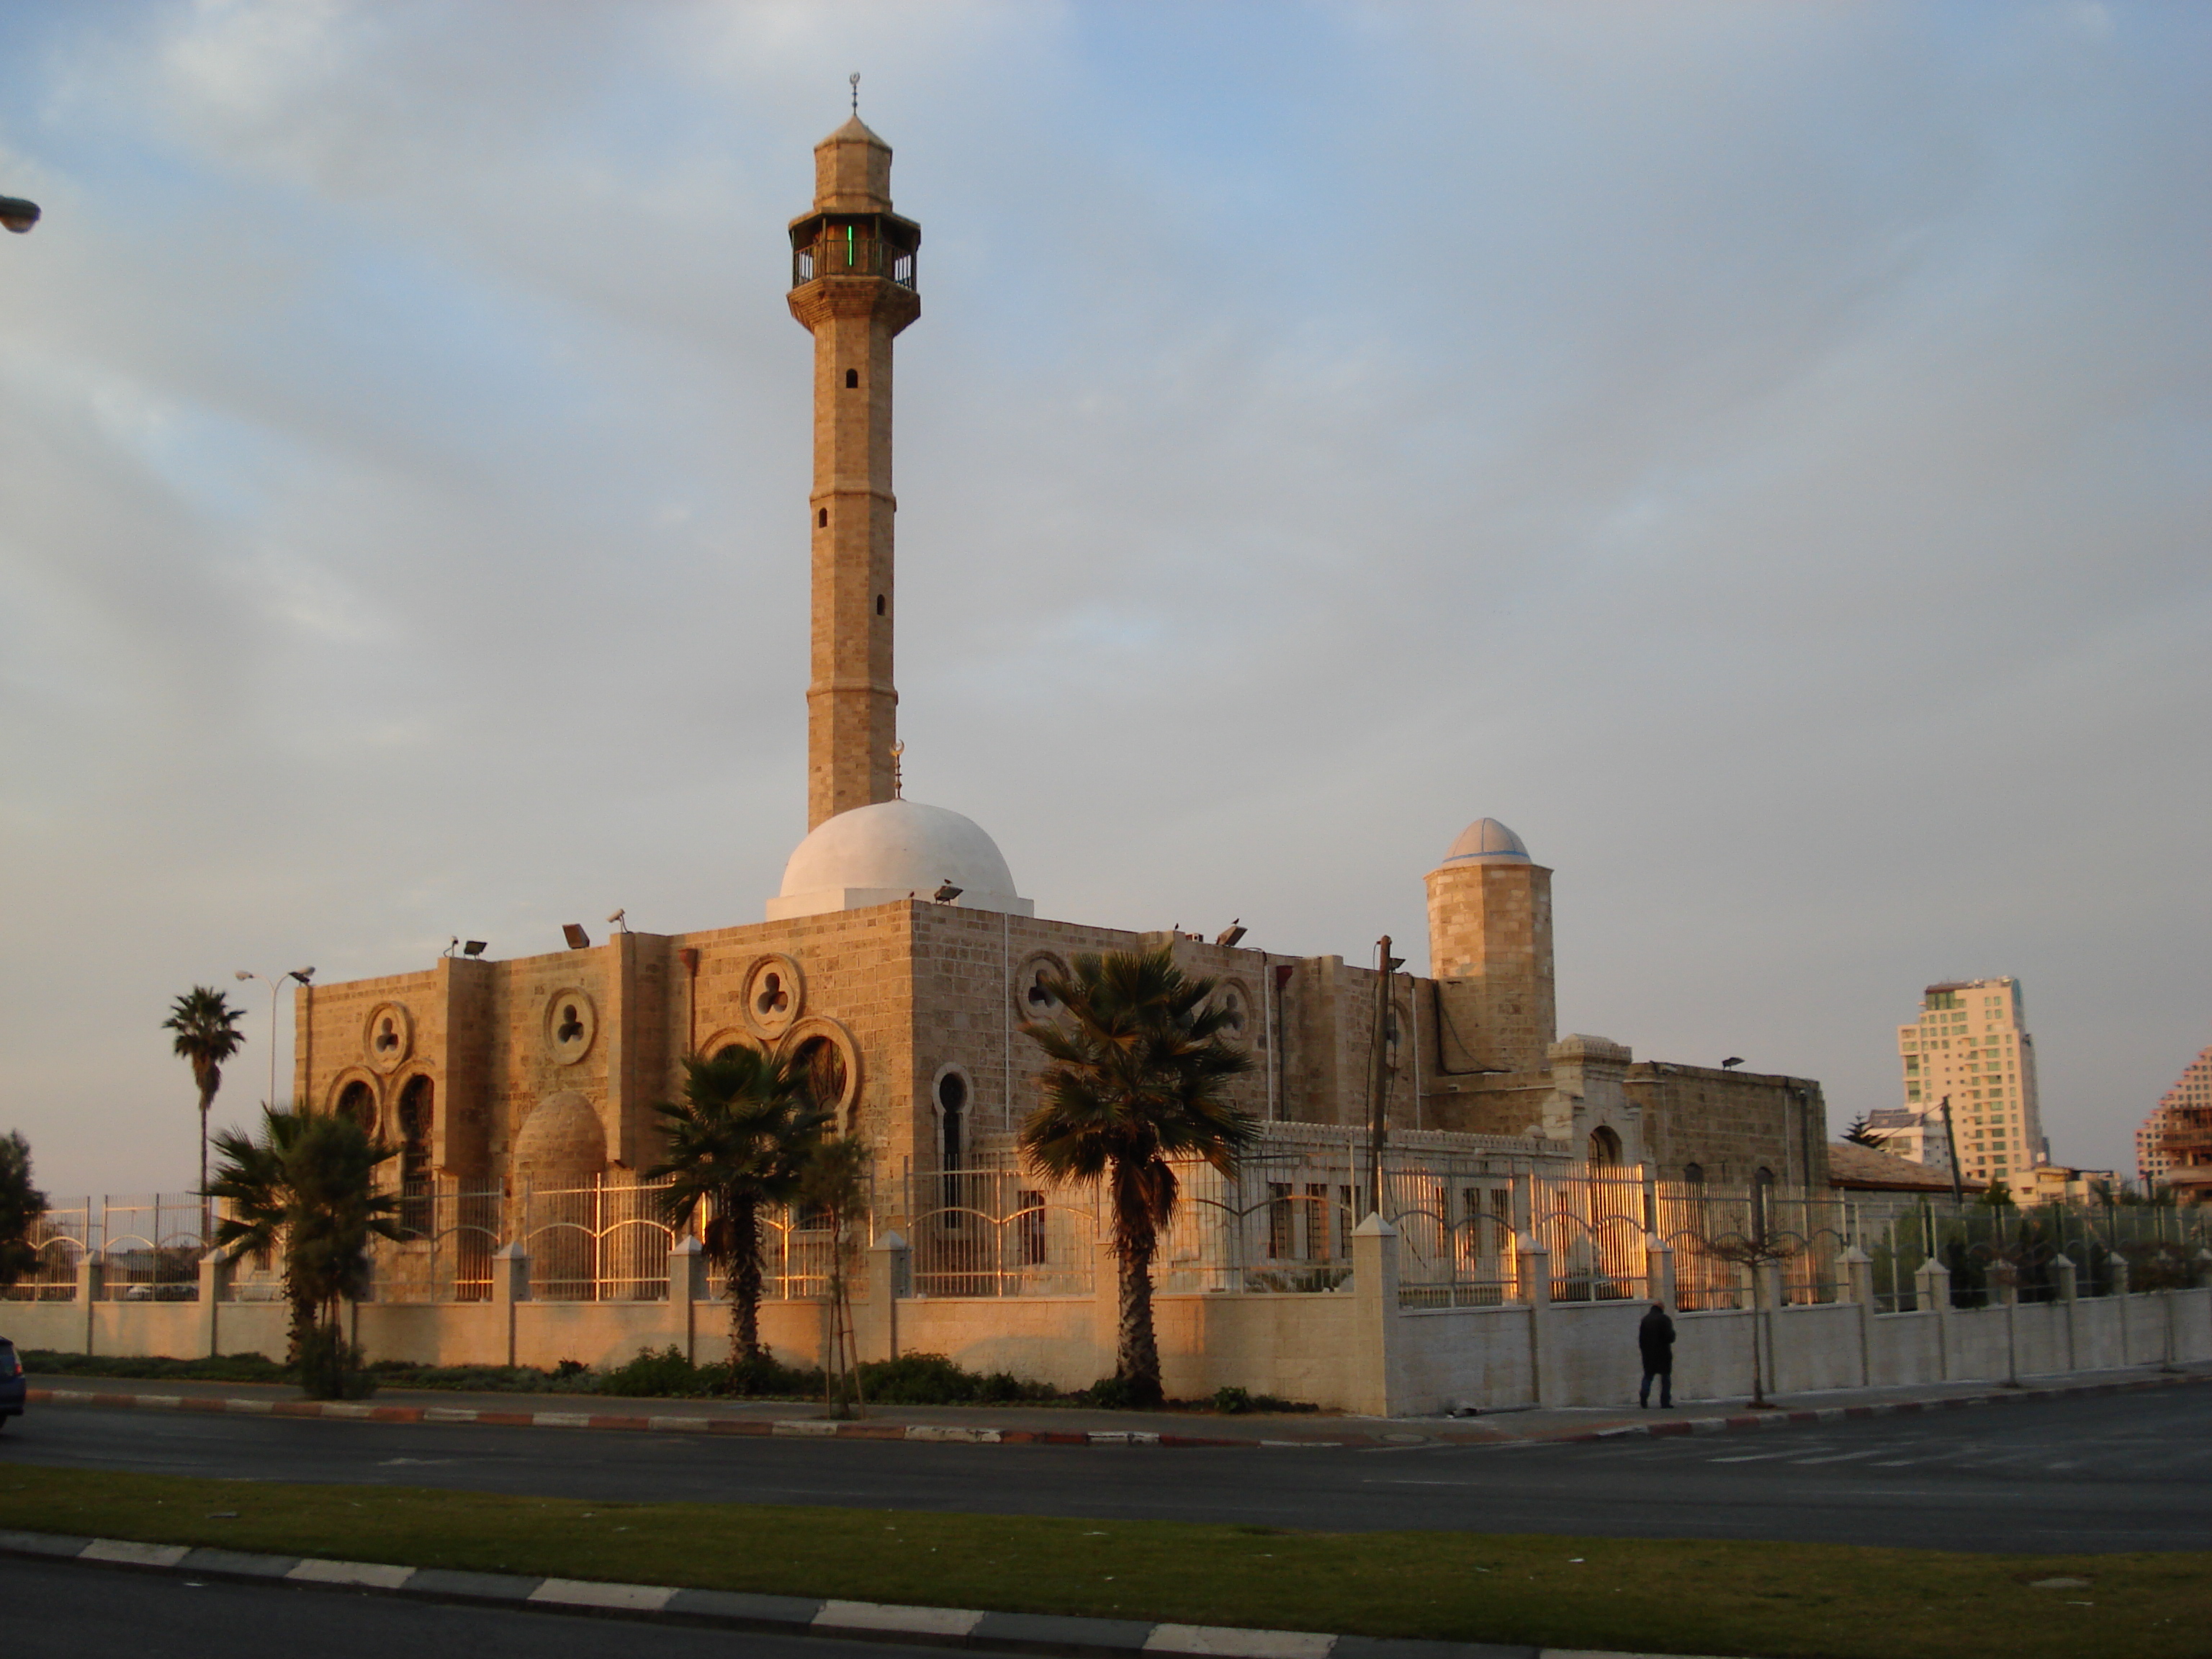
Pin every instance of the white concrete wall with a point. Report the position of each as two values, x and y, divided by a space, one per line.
1351 1348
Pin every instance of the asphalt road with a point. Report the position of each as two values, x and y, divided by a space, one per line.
58 1611
2126 1472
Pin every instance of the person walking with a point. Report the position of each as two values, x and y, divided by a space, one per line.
1656 1337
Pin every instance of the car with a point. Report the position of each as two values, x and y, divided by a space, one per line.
12 1386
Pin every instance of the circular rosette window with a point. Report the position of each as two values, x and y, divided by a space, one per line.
571 1023
774 996
387 1038
1032 999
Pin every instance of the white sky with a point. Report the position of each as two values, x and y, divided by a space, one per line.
1759 452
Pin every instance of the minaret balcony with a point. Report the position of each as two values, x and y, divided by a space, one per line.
855 245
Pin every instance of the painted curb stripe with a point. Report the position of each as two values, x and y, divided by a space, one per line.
589 1593
886 1616
1225 1643
125 1554
371 1575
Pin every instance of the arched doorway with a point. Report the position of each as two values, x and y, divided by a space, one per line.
1604 1148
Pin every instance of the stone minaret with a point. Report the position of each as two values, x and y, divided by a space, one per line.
1490 952
852 285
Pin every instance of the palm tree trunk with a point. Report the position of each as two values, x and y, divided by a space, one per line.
207 1099
1138 1362
744 1283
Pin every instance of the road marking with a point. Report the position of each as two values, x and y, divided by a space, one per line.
1842 1457
1749 1457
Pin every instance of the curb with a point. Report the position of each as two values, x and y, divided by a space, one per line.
781 1615
1852 1413
820 1428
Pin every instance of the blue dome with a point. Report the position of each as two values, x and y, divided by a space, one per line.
1487 841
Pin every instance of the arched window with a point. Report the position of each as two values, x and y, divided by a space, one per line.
823 1067
952 1142
1693 1174
358 1102
1604 1147
416 1105
952 1105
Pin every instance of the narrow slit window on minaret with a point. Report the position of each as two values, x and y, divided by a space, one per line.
821 519
880 605
851 379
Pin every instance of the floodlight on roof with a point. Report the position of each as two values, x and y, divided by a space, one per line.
1231 934
577 937
946 892
473 948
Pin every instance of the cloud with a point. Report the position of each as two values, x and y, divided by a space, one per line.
1758 454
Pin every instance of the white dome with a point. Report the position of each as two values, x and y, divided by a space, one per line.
1487 841
893 850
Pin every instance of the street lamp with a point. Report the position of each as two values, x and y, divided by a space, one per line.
18 215
276 985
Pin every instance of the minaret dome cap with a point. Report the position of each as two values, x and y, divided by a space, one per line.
1487 841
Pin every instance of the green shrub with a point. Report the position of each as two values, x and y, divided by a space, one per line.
931 1379
221 1368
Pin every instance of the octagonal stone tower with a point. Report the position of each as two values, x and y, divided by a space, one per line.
852 286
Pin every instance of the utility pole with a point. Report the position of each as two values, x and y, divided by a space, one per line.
1378 1108
1951 1146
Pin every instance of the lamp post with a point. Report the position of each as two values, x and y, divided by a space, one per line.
276 985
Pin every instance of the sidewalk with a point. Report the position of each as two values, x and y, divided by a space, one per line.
1051 1426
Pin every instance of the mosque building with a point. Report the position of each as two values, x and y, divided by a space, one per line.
899 958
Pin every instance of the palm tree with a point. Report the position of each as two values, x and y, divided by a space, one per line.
21 1205
1135 1076
740 1139
205 1024
306 1189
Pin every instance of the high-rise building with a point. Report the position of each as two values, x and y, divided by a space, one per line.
2164 1144
1971 1046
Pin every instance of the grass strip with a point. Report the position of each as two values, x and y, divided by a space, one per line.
1776 1601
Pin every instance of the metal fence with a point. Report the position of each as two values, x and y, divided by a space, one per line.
1282 1222
148 1247
1983 1248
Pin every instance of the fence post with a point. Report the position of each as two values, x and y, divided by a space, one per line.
1534 1267
890 1276
91 1276
215 1269
510 1284
1858 1288
1377 1388
2065 1293
687 1278
1659 1270
1933 1282
2120 1299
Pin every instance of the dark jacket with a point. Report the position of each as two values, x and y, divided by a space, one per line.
1656 1337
